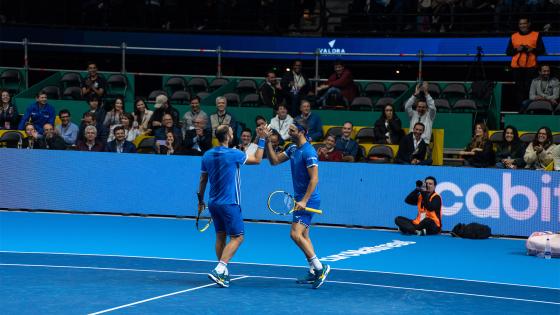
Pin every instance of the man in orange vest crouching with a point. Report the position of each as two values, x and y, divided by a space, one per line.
524 47
428 220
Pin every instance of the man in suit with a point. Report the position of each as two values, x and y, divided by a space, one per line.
120 144
412 148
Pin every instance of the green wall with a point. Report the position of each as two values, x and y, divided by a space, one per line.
533 122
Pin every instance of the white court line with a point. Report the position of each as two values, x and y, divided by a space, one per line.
276 278
158 297
288 266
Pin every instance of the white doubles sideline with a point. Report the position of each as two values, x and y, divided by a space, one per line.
280 265
239 277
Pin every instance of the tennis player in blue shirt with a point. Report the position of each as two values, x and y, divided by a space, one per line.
220 166
305 177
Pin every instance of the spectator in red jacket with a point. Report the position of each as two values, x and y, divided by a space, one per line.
340 84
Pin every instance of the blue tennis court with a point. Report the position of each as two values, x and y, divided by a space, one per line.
92 264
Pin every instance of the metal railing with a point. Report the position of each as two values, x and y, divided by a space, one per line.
219 53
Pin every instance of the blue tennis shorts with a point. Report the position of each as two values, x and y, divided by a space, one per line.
305 217
227 218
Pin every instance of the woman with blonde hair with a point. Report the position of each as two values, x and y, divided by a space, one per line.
479 152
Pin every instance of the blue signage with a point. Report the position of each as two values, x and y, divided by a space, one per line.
510 202
329 48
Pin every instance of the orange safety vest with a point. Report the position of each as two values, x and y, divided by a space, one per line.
524 59
423 212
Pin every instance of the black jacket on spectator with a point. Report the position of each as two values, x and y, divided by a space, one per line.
406 150
54 143
516 153
36 144
102 133
128 147
158 116
394 128
270 96
482 158
205 142
97 147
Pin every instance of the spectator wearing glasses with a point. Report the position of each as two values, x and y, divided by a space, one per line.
198 140
193 114
539 152
67 129
168 125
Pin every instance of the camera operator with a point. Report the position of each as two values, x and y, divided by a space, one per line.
428 220
524 47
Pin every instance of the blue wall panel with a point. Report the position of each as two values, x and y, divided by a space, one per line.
511 202
330 46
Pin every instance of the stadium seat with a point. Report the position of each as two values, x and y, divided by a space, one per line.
464 104
434 90
202 95
375 89
556 139
232 99
70 79
442 105
116 85
145 144
380 104
52 91
11 81
217 83
497 136
539 107
361 103
181 97
335 131
454 90
365 135
251 100
527 137
380 154
72 93
246 86
396 90
174 84
196 85
10 138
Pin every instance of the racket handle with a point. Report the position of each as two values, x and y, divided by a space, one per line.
314 210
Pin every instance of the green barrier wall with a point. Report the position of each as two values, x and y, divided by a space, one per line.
533 122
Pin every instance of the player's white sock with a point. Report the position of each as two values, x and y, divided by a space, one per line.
316 263
221 268
311 269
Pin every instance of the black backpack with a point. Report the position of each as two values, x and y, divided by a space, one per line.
471 230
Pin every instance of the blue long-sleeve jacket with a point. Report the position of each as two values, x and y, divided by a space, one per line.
314 126
38 116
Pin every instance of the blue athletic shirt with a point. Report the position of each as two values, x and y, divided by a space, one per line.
222 165
300 159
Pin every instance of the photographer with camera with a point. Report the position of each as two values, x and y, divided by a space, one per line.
428 220
524 47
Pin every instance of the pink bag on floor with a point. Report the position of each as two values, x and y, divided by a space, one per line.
537 241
